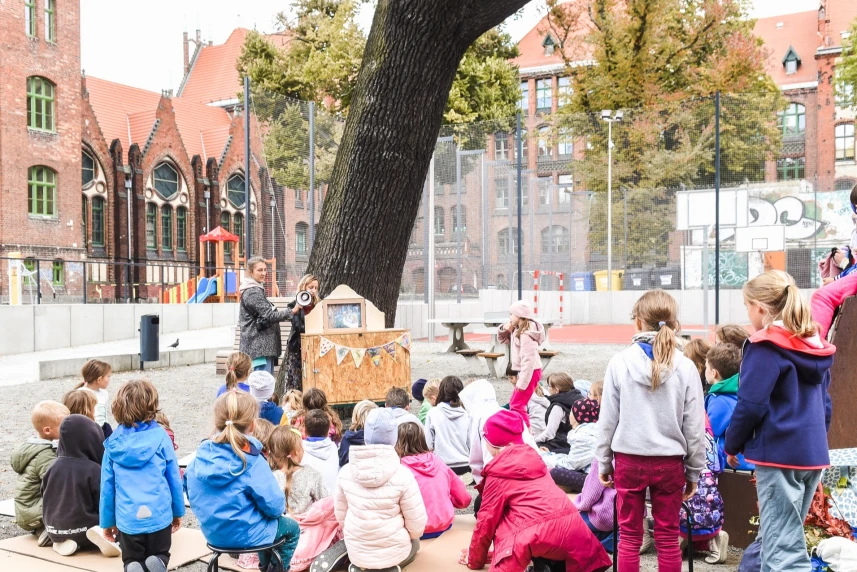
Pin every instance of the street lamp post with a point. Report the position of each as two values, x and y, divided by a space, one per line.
608 116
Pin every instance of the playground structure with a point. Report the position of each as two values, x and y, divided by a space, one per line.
223 285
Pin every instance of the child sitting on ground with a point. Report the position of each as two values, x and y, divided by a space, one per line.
291 403
238 367
231 488
80 403
697 352
262 432
731 334
31 460
722 372
96 378
314 398
262 389
320 452
417 393
307 499
164 421
141 493
399 402
354 436
596 390
429 398
447 429
71 488
557 425
523 513
569 470
378 502
442 490
595 503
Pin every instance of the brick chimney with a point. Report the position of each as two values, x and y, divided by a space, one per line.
186 52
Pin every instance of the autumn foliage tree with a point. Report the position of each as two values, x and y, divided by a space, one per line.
846 70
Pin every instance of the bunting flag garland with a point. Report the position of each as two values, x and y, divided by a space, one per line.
341 352
326 346
357 354
375 355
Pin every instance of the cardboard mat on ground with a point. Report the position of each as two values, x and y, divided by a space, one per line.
188 545
15 562
7 507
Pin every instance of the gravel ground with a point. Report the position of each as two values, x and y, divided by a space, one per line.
185 397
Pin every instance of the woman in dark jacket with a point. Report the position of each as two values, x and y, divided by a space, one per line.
259 319
294 368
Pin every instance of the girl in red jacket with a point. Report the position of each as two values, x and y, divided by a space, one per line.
524 334
523 513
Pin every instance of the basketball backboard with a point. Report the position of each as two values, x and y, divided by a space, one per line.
696 209
760 238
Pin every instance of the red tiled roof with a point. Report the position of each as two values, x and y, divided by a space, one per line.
201 127
800 31
840 13
533 52
114 104
213 76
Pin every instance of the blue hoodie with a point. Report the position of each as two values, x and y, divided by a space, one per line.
783 409
141 488
237 507
719 405
270 411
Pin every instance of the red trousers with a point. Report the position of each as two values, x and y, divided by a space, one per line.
520 398
826 299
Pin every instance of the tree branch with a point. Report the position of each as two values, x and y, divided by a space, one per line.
482 15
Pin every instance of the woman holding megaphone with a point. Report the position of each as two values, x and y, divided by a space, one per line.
305 300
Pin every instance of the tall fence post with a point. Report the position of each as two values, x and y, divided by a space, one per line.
716 210
519 146
456 228
311 174
84 282
248 235
38 283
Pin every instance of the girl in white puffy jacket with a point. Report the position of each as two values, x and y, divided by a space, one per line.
378 502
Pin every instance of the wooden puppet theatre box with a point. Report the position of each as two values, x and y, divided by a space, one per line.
349 354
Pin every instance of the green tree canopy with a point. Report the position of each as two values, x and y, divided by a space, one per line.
846 70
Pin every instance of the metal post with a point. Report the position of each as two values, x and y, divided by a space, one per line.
429 273
716 210
707 231
129 192
311 174
427 230
84 282
609 205
625 243
484 221
38 282
207 229
456 228
247 235
519 144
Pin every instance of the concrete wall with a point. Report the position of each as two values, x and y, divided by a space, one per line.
53 369
55 326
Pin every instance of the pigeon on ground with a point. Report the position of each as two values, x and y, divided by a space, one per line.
175 344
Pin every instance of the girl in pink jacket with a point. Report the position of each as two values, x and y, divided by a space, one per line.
442 490
524 334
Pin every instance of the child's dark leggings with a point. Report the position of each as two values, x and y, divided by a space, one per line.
573 480
286 527
138 547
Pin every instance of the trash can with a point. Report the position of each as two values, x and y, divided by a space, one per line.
582 282
150 325
666 278
601 280
636 279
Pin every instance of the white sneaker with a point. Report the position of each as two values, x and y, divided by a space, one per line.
719 546
65 548
96 536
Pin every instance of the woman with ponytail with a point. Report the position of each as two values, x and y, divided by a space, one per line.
238 367
783 413
231 488
652 425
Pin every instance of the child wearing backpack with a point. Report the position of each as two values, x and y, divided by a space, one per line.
722 371
783 413
141 491
652 422
231 488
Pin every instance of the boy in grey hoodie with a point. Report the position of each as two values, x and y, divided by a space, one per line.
320 452
447 428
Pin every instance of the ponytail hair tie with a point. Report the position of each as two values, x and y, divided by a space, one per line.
661 325
228 422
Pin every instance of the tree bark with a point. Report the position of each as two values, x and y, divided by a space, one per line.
411 57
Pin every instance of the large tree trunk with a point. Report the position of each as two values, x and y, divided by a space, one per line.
411 57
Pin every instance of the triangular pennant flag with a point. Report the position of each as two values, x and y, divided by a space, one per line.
341 352
325 346
391 349
405 341
375 355
357 354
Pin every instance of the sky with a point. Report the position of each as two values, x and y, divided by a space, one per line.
140 43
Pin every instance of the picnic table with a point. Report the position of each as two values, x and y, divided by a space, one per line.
491 320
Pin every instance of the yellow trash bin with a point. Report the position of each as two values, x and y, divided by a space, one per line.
601 280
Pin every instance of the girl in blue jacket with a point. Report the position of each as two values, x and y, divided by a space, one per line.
231 488
782 416
141 493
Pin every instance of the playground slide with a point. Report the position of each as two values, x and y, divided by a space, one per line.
205 288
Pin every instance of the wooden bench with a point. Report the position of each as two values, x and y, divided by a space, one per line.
285 332
547 356
491 359
470 356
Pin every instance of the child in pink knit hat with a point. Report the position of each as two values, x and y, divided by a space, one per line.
524 334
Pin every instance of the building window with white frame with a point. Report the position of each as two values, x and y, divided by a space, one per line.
844 136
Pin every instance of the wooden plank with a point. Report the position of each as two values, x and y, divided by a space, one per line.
345 383
843 385
488 355
468 352
739 498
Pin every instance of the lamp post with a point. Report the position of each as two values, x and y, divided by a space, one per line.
610 117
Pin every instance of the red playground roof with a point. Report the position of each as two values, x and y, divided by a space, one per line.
219 235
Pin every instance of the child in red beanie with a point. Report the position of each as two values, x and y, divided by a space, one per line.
523 513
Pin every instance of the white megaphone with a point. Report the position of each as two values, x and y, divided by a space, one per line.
303 298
